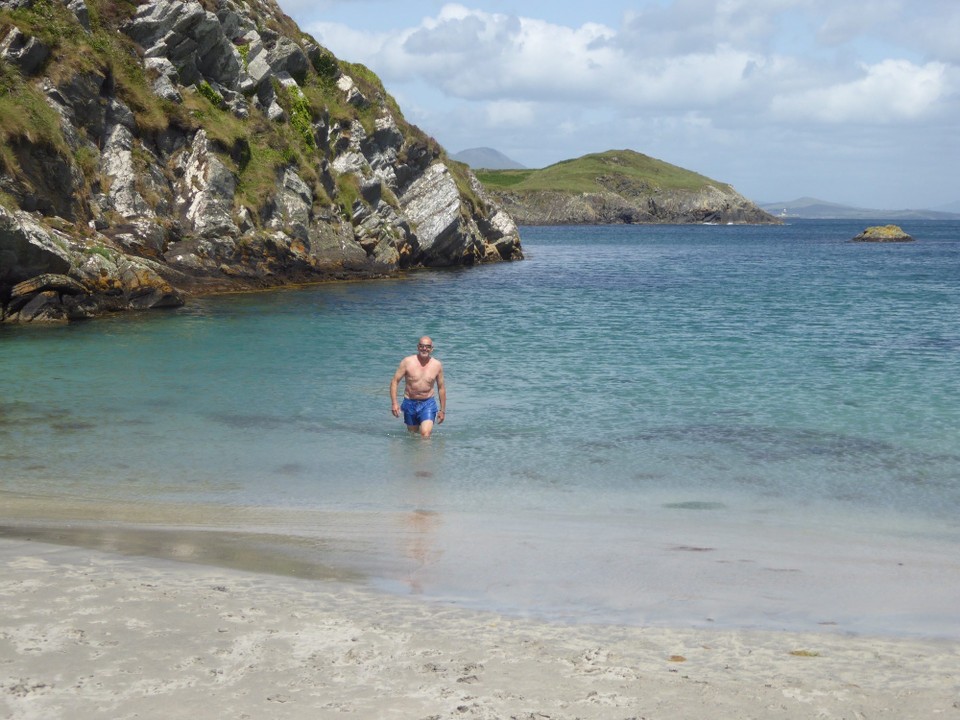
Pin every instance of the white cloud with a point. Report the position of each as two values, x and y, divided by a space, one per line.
935 31
475 55
890 91
844 21
478 55
707 84
348 43
693 26
692 80
507 113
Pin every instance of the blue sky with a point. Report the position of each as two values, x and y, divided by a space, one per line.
851 102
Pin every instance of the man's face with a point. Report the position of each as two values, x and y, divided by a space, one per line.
424 347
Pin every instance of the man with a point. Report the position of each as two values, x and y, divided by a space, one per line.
420 373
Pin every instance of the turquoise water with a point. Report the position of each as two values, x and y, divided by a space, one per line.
756 383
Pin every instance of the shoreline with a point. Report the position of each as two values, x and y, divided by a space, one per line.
641 570
88 634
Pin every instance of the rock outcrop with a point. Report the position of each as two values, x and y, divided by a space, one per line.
552 207
172 146
883 233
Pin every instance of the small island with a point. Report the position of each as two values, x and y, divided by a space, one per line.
883 233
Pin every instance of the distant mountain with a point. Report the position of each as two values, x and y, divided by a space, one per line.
487 159
953 207
617 187
814 209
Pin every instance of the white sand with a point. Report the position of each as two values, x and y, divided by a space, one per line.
93 635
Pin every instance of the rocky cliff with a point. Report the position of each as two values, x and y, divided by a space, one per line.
154 149
554 207
618 186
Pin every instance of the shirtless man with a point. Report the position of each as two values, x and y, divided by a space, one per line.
419 374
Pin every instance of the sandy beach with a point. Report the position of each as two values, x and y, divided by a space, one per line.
87 634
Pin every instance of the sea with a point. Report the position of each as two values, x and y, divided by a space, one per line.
706 425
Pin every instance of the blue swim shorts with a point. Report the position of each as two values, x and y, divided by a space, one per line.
416 411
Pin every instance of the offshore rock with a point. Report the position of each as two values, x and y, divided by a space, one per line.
883 233
238 154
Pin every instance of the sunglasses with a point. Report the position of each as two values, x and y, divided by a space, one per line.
424 347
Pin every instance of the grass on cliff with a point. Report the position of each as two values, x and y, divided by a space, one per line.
256 148
596 172
25 118
102 51
25 115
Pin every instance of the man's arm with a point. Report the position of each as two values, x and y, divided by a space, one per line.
394 384
442 393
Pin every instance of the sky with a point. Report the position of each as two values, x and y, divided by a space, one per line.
854 102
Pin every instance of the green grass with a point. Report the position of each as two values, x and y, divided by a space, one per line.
103 51
326 67
348 192
25 116
102 251
300 113
599 171
205 89
503 179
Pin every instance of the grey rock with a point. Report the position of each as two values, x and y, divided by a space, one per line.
86 94
206 192
28 249
61 284
143 234
258 61
117 164
353 94
43 307
275 112
287 57
51 278
165 88
47 183
165 83
26 53
79 9
189 37
276 57
293 204
146 289
432 202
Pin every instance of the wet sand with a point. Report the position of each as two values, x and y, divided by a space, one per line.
89 634
645 567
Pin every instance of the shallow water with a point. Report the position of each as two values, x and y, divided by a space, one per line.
623 392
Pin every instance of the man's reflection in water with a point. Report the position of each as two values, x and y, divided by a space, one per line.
417 532
420 528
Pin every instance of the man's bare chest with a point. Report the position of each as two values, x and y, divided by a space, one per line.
417 373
